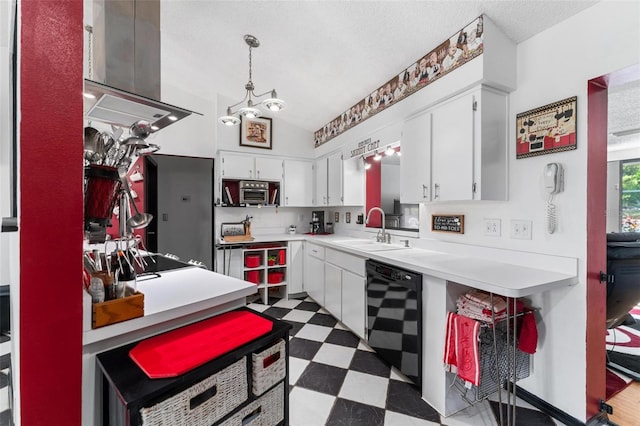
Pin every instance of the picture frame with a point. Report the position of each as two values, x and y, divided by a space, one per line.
547 129
256 132
453 223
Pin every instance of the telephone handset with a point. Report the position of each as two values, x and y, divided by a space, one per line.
553 184
553 178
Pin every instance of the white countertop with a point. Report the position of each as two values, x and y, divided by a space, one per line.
502 278
176 293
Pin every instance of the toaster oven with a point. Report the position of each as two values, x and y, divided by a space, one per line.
254 192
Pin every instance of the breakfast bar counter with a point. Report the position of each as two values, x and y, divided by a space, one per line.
172 299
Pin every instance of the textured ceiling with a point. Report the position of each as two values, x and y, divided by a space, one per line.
324 56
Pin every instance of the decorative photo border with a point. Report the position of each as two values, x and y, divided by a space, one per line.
547 129
459 49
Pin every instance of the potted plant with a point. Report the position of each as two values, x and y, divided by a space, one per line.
271 260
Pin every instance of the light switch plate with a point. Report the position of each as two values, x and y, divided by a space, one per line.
521 229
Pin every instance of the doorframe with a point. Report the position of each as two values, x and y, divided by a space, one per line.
596 243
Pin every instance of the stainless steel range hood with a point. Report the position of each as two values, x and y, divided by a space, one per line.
126 66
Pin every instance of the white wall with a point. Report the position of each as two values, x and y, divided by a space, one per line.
613 196
546 73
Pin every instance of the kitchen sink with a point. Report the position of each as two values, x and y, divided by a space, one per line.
368 245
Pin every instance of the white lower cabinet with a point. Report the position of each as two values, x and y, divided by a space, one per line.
354 302
345 295
333 290
296 267
314 272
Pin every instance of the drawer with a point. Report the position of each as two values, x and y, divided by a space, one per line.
315 251
203 403
346 261
269 367
267 410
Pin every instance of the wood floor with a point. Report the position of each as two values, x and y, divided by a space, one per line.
626 406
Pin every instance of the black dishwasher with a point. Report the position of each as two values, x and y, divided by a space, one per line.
394 317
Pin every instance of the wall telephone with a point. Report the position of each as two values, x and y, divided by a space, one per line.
553 184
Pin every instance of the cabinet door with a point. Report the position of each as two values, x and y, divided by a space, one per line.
296 267
415 162
314 278
268 168
298 178
321 182
354 302
452 145
334 182
237 166
353 176
333 290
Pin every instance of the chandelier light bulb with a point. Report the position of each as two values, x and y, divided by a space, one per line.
377 157
389 151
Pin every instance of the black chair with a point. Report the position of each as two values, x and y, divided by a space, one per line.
623 285
623 270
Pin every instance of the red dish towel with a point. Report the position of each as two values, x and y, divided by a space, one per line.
461 347
178 351
528 339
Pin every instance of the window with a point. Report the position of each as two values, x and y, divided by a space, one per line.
630 196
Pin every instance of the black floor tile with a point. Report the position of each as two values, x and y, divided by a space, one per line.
323 319
369 362
524 416
295 327
343 337
4 381
5 417
5 361
405 399
322 378
351 413
303 348
276 312
308 306
4 338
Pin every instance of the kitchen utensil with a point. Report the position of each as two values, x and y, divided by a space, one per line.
90 137
141 129
138 220
136 142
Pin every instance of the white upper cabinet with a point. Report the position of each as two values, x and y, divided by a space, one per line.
246 166
298 181
320 168
268 168
415 162
353 177
469 147
334 179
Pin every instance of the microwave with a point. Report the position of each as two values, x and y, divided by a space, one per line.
254 192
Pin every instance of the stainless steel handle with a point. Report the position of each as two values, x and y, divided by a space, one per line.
425 191
286 199
436 190
258 174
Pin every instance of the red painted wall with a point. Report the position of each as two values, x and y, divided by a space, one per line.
374 184
50 215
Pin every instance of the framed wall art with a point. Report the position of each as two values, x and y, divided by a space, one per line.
547 129
256 132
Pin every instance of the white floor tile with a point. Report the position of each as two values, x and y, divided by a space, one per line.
396 419
314 332
323 311
479 414
296 367
5 347
364 347
258 307
338 356
396 375
307 407
4 398
365 388
291 303
341 326
298 316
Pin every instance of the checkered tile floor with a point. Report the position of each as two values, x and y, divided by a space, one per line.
336 379
5 361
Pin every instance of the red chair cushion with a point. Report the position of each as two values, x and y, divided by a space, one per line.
178 351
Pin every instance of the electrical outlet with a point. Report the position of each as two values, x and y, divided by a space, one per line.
492 227
521 229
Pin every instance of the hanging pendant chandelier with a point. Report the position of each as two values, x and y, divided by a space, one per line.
249 110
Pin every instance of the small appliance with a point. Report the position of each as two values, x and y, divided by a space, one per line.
254 192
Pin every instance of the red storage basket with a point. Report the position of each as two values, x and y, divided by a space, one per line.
252 261
253 277
275 277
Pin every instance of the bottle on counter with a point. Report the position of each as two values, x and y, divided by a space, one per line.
96 290
125 275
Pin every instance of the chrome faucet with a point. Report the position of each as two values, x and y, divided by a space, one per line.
382 236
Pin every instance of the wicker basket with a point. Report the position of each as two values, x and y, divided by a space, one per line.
203 403
269 367
268 410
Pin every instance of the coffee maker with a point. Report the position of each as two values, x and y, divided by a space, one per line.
317 222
